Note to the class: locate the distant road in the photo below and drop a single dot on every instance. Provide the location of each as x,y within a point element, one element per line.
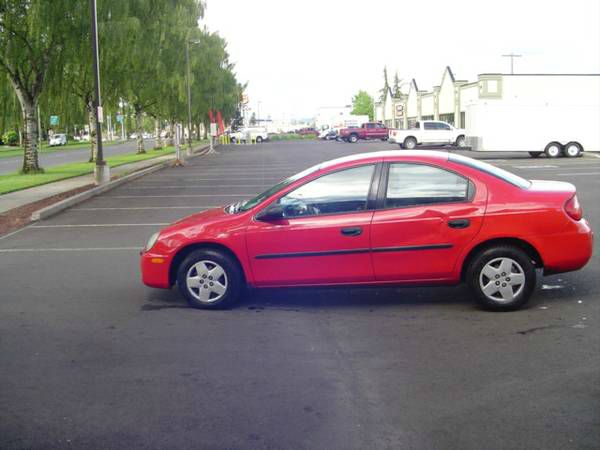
<point>10,165</point>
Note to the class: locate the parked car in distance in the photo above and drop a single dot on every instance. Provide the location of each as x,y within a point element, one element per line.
<point>257,134</point>
<point>428,132</point>
<point>369,130</point>
<point>57,139</point>
<point>381,218</point>
<point>328,134</point>
<point>306,131</point>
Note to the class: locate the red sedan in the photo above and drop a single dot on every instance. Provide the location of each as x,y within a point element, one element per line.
<point>386,218</point>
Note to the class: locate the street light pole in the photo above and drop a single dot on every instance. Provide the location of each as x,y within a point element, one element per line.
<point>189,95</point>
<point>102,171</point>
<point>512,57</point>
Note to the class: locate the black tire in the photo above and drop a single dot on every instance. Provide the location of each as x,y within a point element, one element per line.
<point>553,150</point>
<point>475,278</point>
<point>461,142</point>
<point>233,140</point>
<point>535,154</point>
<point>259,139</point>
<point>410,143</point>
<point>234,279</point>
<point>353,139</point>
<point>573,150</point>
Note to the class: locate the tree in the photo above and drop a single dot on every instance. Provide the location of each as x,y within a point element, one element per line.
<point>362,104</point>
<point>32,41</point>
<point>386,86</point>
<point>396,92</point>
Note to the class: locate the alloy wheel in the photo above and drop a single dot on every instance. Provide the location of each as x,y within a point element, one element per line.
<point>206,281</point>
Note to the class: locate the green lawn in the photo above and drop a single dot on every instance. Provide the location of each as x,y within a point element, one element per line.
<point>15,182</point>
<point>7,152</point>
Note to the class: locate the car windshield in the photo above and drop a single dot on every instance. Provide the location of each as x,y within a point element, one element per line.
<point>492,170</point>
<point>249,204</point>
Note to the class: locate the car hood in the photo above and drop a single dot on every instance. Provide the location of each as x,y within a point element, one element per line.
<point>214,220</point>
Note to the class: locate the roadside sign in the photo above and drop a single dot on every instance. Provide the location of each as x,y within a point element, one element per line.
<point>399,111</point>
<point>53,120</point>
<point>100,114</point>
<point>213,129</point>
<point>120,118</point>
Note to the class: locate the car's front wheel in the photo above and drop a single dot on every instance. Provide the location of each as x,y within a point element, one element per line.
<point>502,278</point>
<point>210,279</point>
<point>259,139</point>
<point>353,139</point>
<point>410,143</point>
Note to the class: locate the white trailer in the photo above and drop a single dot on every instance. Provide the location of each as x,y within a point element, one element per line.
<point>538,121</point>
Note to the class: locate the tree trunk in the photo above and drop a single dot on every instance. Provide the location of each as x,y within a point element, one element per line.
<point>30,141</point>
<point>139,131</point>
<point>92,125</point>
<point>158,142</point>
<point>171,141</point>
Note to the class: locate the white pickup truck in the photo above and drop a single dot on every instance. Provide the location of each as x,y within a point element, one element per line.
<point>428,132</point>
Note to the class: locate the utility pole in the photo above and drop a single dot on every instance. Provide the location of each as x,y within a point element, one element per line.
<point>512,57</point>
<point>101,171</point>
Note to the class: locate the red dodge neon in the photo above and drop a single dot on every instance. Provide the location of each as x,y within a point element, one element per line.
<point>385,218</point>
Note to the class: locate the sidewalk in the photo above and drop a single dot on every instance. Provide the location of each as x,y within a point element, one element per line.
<point>24,197</point>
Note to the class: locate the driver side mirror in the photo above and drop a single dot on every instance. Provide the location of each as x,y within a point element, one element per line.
<point>273,212</point>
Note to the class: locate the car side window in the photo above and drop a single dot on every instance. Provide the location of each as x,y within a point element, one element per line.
<point>420,184</point>
<point>443,126</point>
<point>339,192</point>
<point>429,126</point>
<point>370,125</point>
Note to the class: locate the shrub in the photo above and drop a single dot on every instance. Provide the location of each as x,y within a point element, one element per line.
<point>11,138</point>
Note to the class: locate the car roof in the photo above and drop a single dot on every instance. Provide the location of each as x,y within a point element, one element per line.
<point>424,155</point>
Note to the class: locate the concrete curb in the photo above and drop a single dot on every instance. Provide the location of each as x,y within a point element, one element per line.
<point>51,210</point>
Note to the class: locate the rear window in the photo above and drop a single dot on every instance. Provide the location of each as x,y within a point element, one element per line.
<point>497,172</point>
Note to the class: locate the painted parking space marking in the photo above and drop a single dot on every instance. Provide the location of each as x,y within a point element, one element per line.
<point>140,208</point>
<point>578,173</point>
<point>539,166</point>
<point>177,196</point>
<point>189,186</point>
<point>100,225</point>
<point>80,249</point>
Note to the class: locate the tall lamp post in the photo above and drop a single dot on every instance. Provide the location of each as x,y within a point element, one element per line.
<point>189,92</point>
<point>101,171</point>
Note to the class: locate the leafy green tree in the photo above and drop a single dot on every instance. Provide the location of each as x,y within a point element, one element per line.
<point>33,35</point>
<point>362,104</point>
<point>386,86</point>
<point>396,92</point>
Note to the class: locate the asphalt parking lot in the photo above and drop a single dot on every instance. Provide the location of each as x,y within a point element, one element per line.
<point>90,358</point>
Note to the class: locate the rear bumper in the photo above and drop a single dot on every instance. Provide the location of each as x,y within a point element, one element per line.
<point>568,251</point>
<point>155,270</point>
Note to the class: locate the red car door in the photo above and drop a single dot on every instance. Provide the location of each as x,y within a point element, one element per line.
<point>428,215</point>
<point>323,236</point>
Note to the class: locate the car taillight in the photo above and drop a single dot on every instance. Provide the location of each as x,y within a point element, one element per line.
<point>573,208</point>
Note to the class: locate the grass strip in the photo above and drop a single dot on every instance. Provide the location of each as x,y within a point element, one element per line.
<point>16,181</point>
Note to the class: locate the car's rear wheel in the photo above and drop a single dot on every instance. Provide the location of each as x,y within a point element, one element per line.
<point>353,139</point>
<point>535,154</point>
<point>233,140</point>
<point>573,150</point>
<point>259,139</point>
<point>209,279</point>
<point>410,143</point>
<point>461,142</point>
<point>502,278</point>
<point>553,150</point>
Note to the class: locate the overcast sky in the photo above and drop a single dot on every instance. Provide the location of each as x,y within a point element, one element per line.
<point>300,55</point>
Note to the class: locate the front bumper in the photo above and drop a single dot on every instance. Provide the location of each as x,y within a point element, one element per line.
<point>155,270</point>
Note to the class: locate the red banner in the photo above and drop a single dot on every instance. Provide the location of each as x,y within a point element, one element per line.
<point>220,122</point>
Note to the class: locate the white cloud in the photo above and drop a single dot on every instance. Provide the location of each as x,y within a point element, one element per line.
<point>298,56</point>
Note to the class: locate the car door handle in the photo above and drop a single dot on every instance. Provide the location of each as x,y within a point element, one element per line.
<point>459,223</point>
<point>351,231</point>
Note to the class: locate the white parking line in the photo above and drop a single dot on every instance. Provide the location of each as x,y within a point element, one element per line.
<point>135,208</point>
<point>578,173</point>
<point>101,225</point>
<point>197,186</point>
<point>177,196</point>
<point>84,249</point>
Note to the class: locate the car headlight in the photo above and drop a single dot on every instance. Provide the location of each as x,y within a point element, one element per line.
<point>151,242</point>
